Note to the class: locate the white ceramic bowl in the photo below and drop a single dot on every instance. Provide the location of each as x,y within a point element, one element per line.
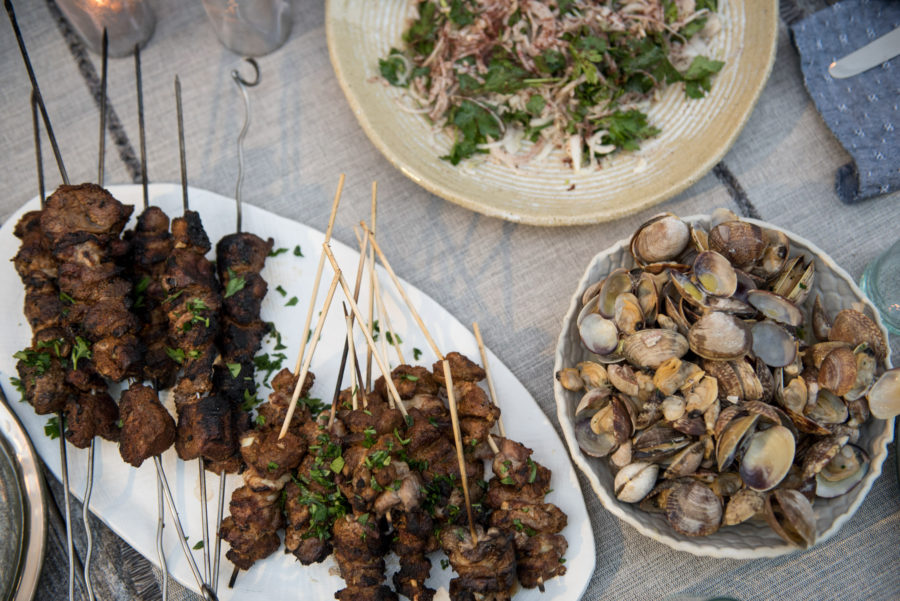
<point>751,539</point>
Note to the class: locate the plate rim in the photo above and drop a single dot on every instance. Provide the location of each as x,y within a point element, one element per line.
<point>34,500</point>
<point>696,547</point>
<point>769,10</point>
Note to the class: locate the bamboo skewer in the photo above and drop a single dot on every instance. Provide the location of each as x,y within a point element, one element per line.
<point>354,384</point>
<point>356,289</point>
<point>378,359</point>
<point>457,438</point>
<point>304,371</point>
<point>318,278</point>
<point>382,311</point>
<point>371,324</point>
<point>402,292</point>
<point>490,380</point>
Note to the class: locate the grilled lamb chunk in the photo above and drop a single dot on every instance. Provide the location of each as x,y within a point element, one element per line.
<point>188,233</point>
<point>240,342</point>
<point>147,428</point>
<point>76,213</point>
<point>90,414</point>
<point>206,428</point>
<point>243,252</point>
<point>409,380</point>
<point>487,570</point>
<point>461,368</point>
<point>252,527</point>
<point>45,390</point>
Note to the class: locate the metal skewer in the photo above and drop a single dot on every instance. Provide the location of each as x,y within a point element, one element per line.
<point>89,482</point>
<point>204,513</point>
<point>36,90</point>
<point>242,85</point>
<point>160,503</point>
<point>63,455</point>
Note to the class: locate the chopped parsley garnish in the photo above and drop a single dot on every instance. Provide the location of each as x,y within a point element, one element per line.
<point>297,251</point>
<point>280,290</point>
<point>268,364</point>
<point>403,441</point>
<point>272,466</point>
<point>17,384</point>
<point>80,350</point>
<point>173,296</point>
<point>198,545</point>
<point>292,301</point>
<point>277,251</point>
<point>337,465</point>
<point>195,306</point>
<point>369,439</point>
<point>409,377</point>
<point>66,298</point>
<point>234,369</point>
<point>391,338</point>
<point>55,344</point>
<point>445,563</point>
<point>176,355</point>
<point>260,420</point>
<point>235,284</point>
<point>416,354</point>
<point>39,361</point>
<point>532,473</point>
<point>250,401</point>
<point>51,428</point>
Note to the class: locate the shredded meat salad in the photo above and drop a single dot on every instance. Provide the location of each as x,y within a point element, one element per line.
<point>569,74</point>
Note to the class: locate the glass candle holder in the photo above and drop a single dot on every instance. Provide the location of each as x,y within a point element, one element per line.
<point>250,27</point>
<point>881,283</point>
<point>127,22</point>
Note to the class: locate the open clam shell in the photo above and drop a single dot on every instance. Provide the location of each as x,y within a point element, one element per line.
<point>719,335</point>
<point>662,238</point>
<point>768,458</point>
<point>791,515</point>
<point>844,471</point>
<point>884,396</point>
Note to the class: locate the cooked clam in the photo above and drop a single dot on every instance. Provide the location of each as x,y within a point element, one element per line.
<point>866,365</point>
<point>730,440</point>
<point>884,396</point>
<point>740,242</point>
<point>651,347</point>
<point>821,324</point>
<point>662,238</point>
<point>648,296</point>
<point>570,379</point>
<point>845,470</point>
<point>768,458</point>
<point>719,335</point>
<point>773,258</point>
<point>672,408</point>
<point>791,515</point>
<point>819,454</point>
<point>828,408</point>
<point>715,273</point>
<point>627,313</point>
<point>745,504</point>
<point>593,375</point>
<point>634,481</point>
<point>686,461</point>
<point>838,371</point>
<point>618,282</point>
<point>773,344</point>
<point>775,307</point>
<point>796,280</point>
<point>855,328</point>
<point>598,334</point>
<point>693,509</point>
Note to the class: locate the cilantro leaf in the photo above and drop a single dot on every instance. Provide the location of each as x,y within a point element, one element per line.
<point>235,284</point>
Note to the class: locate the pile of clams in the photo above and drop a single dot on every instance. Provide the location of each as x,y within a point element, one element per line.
<point>718,391</point>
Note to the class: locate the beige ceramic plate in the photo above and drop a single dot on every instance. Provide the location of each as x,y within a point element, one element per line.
<point>752,539</point>
<point>696,134</point>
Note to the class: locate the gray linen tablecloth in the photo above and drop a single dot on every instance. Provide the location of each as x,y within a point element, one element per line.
<point>514,280</point>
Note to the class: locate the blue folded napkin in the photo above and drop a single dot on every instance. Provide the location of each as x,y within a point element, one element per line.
<point>862,111</point>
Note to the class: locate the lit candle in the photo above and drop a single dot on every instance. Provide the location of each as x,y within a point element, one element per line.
<point>127,22</point>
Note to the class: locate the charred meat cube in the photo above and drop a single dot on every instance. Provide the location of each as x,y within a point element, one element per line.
<point>147,428</point>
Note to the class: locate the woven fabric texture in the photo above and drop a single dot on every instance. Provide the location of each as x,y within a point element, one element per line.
<point>863,110</point>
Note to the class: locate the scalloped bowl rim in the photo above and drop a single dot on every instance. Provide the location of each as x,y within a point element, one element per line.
<point>697,546</point>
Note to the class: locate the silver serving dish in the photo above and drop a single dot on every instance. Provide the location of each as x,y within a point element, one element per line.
<point>23,512</point>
